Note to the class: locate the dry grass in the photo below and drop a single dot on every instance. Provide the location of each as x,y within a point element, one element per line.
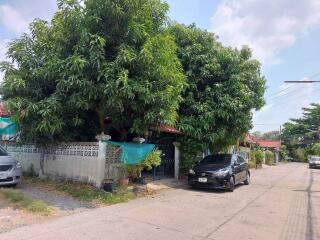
<point>83,192</point>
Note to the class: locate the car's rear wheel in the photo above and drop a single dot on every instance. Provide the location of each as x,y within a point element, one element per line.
<point>247,181</point>
<point>231,184</point>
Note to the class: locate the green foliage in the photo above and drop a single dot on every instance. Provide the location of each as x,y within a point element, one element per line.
<point>252,156</point>
<point>315,149</point>
<point>189,153</point>
<point>300,154</point>
<point>284,153</point>
<point>252,164</point>
<point>259,156</point>
<point>224,86</point>
<point>152,160</point>
<point>302,132</point>
<point>103,58</point>
<point>269,157</point>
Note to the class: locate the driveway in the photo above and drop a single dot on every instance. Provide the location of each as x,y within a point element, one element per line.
<point>282,202</point>
<point>61,205</point>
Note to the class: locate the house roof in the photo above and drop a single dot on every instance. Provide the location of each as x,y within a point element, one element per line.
<point>250,139</point>
<point>262,142</point>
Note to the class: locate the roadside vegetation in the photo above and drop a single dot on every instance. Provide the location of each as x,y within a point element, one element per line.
<point>127,60</point>
<point>85,192</point>
<point>301,136</point>
<point>21,201</point>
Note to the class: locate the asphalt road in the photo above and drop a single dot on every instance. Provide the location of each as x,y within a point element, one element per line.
<point>282,202</point>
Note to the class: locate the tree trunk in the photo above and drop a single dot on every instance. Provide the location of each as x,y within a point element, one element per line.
<point>101,118</point>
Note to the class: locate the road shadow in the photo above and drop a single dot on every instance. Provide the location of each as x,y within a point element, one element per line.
<point>217,191</point>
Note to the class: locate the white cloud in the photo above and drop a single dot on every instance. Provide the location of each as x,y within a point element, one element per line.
<point>266,26</point>
<point>15,16</point>
<point>13,19</point>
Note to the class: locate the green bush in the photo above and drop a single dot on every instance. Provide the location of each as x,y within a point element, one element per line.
<point>253,156</point>
<point>259,155</point>
<point>269,157</point>
<point>152,160</point>
<point>315,149</point>
<point>252,164</point>
<point>300,154</point>
<point>284,153</point>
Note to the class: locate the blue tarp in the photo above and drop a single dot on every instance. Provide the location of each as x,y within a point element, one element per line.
<point>133,153</point>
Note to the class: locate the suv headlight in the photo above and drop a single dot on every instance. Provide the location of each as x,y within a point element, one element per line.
<point>192,172</point>
<point>18,165</point>
<point>220,173</point>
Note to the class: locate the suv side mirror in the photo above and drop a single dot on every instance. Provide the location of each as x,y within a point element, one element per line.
<point>236,164</point>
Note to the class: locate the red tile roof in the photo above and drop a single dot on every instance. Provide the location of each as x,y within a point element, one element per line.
<point>269,144</point>
<point>262,142</point>
<point>165,128</point>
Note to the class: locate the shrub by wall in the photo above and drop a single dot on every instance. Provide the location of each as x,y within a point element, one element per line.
<point>269,157</point>
<point>300,154</point>
<point>259,154</point>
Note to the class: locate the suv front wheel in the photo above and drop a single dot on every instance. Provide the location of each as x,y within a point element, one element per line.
<point>231,184</point>
<point>247,181</point>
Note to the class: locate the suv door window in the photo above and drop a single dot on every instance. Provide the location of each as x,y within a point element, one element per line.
<point>3,152</point>
<point>240,159</point>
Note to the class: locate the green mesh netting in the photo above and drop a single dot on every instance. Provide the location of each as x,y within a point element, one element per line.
<point>133,153</point>
<point>7,127</point>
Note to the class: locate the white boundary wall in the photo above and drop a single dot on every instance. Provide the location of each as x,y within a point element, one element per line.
<point>86,162</point>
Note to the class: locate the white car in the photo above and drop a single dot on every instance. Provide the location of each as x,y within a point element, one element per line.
<point>10,169</point>
<point>314,161</point>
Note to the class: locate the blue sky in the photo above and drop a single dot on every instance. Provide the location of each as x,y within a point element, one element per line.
<point>283,34</point>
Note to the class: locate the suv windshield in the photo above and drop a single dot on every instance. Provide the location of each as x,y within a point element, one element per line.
<point>218,159</point>
<point>3,152</point>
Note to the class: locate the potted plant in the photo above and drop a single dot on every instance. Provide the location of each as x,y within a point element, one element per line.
<point>134,171</point>
<point>123,173</point>
<point>107,185</point>
<point>152,160</point>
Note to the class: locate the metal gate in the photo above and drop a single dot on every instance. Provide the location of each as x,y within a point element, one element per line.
<point>166,169</point>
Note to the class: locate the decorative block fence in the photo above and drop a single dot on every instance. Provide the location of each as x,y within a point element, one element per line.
<point>89,162</point>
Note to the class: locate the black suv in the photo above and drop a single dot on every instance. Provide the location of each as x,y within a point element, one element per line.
<point>219,171</point>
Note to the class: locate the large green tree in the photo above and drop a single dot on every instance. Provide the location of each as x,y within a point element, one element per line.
<point>101,58</point>
<point>224,87</point>
<point>303,132</point>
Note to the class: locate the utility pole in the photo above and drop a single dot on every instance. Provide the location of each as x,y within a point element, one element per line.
<point>280,134</point>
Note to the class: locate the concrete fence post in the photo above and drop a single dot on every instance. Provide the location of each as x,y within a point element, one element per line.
<point>101,163</point>
<point>176,159</point>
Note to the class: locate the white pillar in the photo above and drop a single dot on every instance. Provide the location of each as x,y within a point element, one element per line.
<point>101,163</point>
<point>176,159</point>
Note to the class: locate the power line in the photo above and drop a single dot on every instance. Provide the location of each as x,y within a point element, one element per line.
<point>306,81</point>
<point>294,84</point>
